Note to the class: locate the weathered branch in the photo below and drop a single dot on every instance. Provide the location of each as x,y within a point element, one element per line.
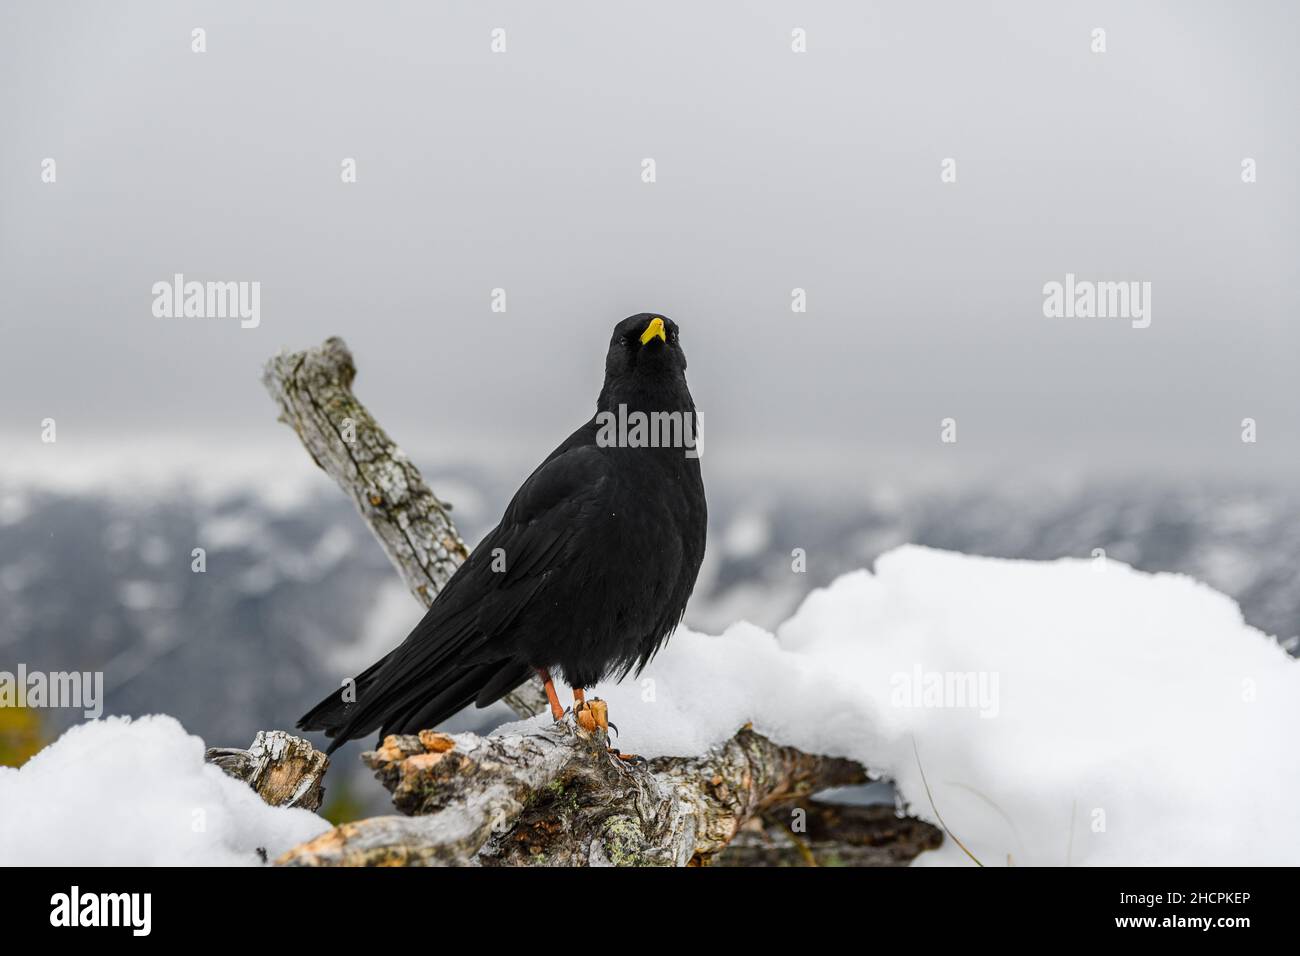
<point>285,771</point>
<point>558,797</point>
<point>314,391</point>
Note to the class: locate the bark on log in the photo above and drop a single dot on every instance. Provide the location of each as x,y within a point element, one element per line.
<point>558,797</point>
<point>286,771</point>
<point>831,835</point>
<point>314,391</point>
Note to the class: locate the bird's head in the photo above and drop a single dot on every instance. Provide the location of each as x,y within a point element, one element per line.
<point>645,345</point>
<point>645,366</point>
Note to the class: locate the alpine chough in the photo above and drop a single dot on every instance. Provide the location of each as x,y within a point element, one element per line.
<point>586,574</point>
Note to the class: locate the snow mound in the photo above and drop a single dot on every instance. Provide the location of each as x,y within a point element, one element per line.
<point>137,793</point>
<point>1069,711</point>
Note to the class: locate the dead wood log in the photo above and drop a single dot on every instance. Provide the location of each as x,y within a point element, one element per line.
<point>314,391</point>
<point>817,833</point>
<point>558,797</point>
<point>286,771</point>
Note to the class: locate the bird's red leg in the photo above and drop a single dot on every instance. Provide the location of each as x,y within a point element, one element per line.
<point>556,710</point>
<point>579,698</point>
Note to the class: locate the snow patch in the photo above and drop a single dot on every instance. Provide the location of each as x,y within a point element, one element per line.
<point>128,792</point>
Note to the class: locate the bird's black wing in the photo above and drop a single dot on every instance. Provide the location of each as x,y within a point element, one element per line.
<point>468,641</point>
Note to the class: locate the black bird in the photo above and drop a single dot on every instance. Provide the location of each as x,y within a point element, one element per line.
<point>587,573</point>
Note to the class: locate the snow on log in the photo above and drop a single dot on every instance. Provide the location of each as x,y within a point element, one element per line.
<point>138,792</point>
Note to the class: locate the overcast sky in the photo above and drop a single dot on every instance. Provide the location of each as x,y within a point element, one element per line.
<point>775,170</point>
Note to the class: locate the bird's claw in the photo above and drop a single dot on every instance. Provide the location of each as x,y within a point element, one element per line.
<point>592,715</point>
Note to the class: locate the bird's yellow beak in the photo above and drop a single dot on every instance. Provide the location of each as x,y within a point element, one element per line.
<point>654,330</point>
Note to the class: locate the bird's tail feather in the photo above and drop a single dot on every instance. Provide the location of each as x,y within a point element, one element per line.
<point>480,684</point>
<point>374,706</point>
<point>334,712</point>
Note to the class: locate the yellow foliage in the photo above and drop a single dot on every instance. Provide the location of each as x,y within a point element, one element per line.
<point>20,735</point>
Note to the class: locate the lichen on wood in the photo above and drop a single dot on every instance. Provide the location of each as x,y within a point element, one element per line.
<point>313,389</point>
<point>559,797</point>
